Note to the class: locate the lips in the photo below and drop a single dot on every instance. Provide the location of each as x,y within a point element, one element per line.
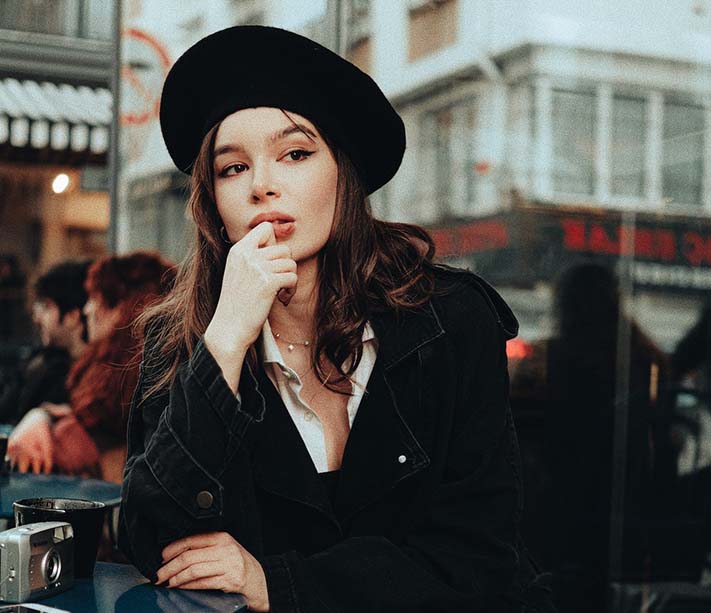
<point>282,223</point>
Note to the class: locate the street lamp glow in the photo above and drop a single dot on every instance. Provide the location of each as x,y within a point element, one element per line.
<point>60,183</point>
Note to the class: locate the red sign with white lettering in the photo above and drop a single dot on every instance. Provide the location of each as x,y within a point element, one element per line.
<point>531,243</point>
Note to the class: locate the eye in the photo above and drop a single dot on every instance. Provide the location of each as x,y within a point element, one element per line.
<point>233,169</point>
<point>299,154</point>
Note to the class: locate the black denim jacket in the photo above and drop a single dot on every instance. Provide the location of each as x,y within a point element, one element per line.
<point>425,518</point>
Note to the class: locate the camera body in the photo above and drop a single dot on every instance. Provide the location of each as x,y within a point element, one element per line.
<point>36,561</point>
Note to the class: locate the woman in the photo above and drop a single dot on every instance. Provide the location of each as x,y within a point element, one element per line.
<point>87,436</point>
<point>322,418</point>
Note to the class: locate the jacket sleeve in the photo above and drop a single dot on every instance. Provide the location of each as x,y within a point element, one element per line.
<point>463,556</point>
<point>178,428</point>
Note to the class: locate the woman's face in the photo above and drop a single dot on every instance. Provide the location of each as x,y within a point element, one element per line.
<point>267,169</point>
<point>100,320</point>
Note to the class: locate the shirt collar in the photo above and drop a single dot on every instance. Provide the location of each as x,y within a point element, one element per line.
<point>271,352</point>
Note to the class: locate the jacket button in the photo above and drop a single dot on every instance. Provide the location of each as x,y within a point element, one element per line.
<point>402,459</point>
<point>204,499</point>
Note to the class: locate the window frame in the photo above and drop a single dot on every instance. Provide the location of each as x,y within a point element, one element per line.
<point>541,182</point>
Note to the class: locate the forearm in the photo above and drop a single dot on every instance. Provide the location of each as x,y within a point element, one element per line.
<point>179,446</point>
<point>372,573</point>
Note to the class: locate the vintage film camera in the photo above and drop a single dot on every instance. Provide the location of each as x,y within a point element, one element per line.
<point>36,561</point>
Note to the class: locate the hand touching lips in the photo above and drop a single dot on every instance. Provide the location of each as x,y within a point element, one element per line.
<point>282,223</point>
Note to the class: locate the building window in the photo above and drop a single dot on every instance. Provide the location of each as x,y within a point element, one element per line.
<point>75,18</point>
<point>447,161</point>
<point>683,146</point>
<point>520,135</point>
<point>98,19</point>
<point>433,26</point>
<point>628,145</point>
<point>573,142</point>
<point>358,46</point>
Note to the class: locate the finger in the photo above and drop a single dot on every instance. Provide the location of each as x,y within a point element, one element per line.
<point>195,572</point>
<point>286,280</point>
<point>186,559</point>
<point>23,463</point>
<point>196,541</point>
<point>259,236</point>
<point>282,265</point>
<point>275,252</point>
<point>47,457</point>
<point>36,463</point>
<point>207,583</point>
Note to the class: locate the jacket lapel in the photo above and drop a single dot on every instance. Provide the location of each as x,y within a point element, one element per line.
<point>382,450</point>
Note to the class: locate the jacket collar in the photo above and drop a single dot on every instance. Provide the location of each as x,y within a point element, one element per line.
<point>401,334</point>
<point>381,448</point>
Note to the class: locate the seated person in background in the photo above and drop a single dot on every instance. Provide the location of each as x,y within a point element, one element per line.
<point>87,436</point>
<point>57,312</point>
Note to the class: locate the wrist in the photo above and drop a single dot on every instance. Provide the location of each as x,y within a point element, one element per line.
<point>220,344</point>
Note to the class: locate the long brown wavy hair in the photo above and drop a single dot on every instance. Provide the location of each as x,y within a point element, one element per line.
<point>102,379</point>
<point>366,266</point>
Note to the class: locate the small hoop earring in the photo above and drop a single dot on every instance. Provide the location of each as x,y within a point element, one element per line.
<point>224,237</point>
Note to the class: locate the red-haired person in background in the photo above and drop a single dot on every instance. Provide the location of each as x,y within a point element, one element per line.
<point>88,435</point>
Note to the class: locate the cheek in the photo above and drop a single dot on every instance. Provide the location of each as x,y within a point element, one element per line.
<point>323,191</point>
<point>52,320</point>
<point>234,217</point>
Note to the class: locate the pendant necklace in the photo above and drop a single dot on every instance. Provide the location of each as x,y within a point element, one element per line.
<point>291,345</point>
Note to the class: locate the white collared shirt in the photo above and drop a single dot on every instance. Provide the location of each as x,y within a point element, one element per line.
<point>289,385</point>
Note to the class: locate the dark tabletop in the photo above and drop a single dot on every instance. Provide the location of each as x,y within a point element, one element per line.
<point>120,588</point>
<point>16,486</point>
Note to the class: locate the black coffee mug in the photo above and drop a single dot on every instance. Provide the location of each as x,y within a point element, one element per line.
<point>85,516</point>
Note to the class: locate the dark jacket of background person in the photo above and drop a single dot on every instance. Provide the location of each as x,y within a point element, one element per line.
<point>694,349</point>
<point>425,518</point>
<point>41,379</point>
<point>583,370</point>
<point>102,381</point>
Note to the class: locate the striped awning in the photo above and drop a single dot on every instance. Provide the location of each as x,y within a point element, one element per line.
<point>54,117</point>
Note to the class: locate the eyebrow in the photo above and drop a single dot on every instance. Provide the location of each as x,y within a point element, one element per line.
<point>276,137</point>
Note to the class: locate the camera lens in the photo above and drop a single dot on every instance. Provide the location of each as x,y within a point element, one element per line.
<point>52,564</point>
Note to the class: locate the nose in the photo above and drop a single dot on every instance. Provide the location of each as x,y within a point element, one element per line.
<point>263,185</point>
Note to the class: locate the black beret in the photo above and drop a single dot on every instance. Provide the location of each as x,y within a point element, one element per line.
<point>250,66</point>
